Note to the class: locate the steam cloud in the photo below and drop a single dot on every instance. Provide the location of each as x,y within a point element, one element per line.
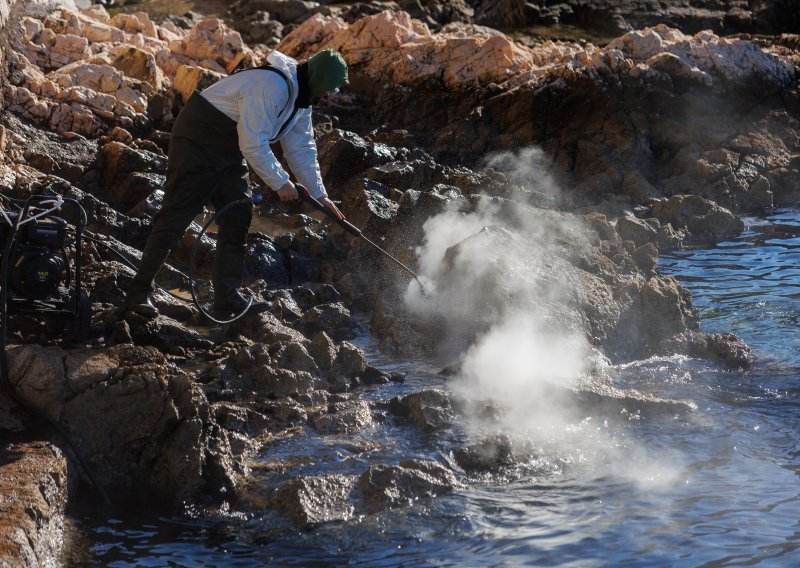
<point>500,286</point>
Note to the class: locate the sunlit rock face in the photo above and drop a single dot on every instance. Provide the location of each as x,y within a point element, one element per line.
<point>83,71</point>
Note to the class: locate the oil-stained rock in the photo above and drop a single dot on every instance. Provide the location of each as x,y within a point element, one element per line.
<point>429,410</point>
<point>343,418</point>
<point>487,455</point>
<point>309,501</point>
<point>383,486</point>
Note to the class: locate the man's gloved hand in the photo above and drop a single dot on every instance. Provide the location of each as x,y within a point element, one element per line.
<point>288,192</point>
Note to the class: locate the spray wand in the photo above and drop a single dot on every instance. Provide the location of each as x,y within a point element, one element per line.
<point>346,225</point>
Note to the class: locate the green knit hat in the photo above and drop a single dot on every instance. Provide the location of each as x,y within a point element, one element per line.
<point>327,71</point>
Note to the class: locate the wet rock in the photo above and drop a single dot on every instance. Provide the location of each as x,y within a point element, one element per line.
<point>706,221</point>
<point>302,267</point>
<point>383,486</point>
<point>295,357</point>
<point>266,261</point>
<point>370,209</point>
<point>489,454</point>
<point>240,419</point>
<point>343,418</point>
<point>652,312</point>
<point>266,328</point>
<point>284,306</point>
<point>611,403</point>
<point>725,348</point>
<point>429,410</point>
<point>333,319</point>
<point>323,350</point>
<point>167,334</point>
<point>344,155</point>
<point>309,501</point>
<point>350,361</point>
<point>278,383</point>
<point>287,412</point>
<point>646,257</point>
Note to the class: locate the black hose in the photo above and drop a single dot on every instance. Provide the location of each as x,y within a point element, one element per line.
<point>10,247</point>
<point>217,215</point>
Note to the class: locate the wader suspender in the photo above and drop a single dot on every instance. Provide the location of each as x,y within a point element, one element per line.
<point>268,67</point>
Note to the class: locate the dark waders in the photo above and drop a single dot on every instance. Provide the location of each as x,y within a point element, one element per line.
<point>205,164</point>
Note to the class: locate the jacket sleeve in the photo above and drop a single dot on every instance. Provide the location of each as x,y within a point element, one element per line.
<point>260,103</point>
<point>300,152</point>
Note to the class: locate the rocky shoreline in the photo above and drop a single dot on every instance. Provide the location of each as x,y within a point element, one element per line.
<point>518,177</point>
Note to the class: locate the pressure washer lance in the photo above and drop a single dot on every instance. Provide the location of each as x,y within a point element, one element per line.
<point>346,225</point>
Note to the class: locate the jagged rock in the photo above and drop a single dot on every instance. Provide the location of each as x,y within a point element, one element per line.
<point>437,13</point>
<point>211,41</point>
<point>240,419</point>
<point>130,175</point>
<point>502,13</point>
<point>403,51</point>
<point>725,348</point>
<point>383,486</point>
<point>487,455</point>
<point>344,155</point>
<point>652,312</point>
<point>278,383</point>
<point>646,257</point>
<point>428,410</point>
<point>295,357</point>
<point>266,328</point>
<point>333,319</point>
<point>264,260</point>
<point>706,221</point>
<point>286,412</point>
<point>189,79</point>
<point>323,350</point>
<point>309,501</point>
<point>343,418</point>
<point>33,482</point>
<point>162,439</point>
<point>639,231</point>
<point>139,64</point>
<point>349,362</point>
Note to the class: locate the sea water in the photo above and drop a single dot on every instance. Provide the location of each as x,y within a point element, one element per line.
<point>714,486</point>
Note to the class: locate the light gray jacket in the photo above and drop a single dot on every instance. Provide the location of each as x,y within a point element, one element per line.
<point>262,103</point>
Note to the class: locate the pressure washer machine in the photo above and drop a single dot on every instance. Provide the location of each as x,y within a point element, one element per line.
<point>38,279</point>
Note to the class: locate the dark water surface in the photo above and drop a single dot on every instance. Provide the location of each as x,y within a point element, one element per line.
<point>717,486</point>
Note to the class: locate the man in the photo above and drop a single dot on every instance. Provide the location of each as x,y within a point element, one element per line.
<point>234,120</point>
